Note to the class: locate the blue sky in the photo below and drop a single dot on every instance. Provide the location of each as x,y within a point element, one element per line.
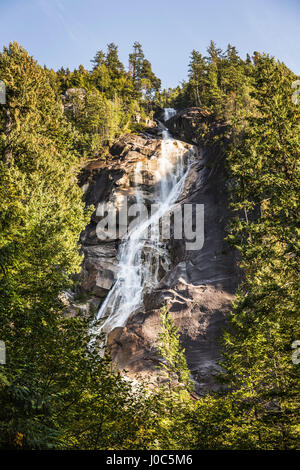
<point>68,32</point>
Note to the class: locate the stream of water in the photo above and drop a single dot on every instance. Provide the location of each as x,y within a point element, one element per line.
<point>140,257</point>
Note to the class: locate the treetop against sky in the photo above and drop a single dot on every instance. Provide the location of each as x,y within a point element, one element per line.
<point>65,32</point>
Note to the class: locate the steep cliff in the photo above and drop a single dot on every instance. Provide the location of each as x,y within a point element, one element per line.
<point>198,285</point>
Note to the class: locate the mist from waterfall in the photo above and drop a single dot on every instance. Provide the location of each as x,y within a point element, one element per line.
<point>140,257</point>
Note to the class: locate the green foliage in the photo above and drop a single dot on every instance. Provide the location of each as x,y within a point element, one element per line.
<point>220,83</point>
<point>56,390</point>
<point>136,60</point>
<point>264,165</point>
<point>98,120</point>
<point>259,409</point>
<point>107,101</point>
<point>145,81</point>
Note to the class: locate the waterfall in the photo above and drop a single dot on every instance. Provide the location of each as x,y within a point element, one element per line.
<point>139,256</point>
<point>168,113</point>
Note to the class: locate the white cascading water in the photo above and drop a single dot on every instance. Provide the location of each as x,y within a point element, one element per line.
<point>139,257</point>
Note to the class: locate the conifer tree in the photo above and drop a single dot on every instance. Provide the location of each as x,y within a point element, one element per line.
<point>265,168</point>
<point>136,60</point>
<point>173,358</point>
<point>198,78</point>
<point>49,365</point>
<point>112,61</point>
<point>98,60</point>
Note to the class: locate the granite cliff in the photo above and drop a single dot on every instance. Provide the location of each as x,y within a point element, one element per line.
<point>197,285</point>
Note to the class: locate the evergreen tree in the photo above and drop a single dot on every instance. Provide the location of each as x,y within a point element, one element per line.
<point>112,61</point>
<point>136,61</point>
<point>173,362</point>
<point>265,169</point>
<point>41,216</point>
<point>198,78</point>
<point>98,60</point>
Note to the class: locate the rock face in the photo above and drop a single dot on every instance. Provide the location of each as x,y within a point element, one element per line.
<point>102,182</point>
<point>200,284</point>
<point>112,184</point>
<point>185,124</point>
<point>72,99</point>
<point>191,124</point>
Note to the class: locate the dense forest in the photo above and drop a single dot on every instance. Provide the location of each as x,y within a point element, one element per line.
<point>56,390</point>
